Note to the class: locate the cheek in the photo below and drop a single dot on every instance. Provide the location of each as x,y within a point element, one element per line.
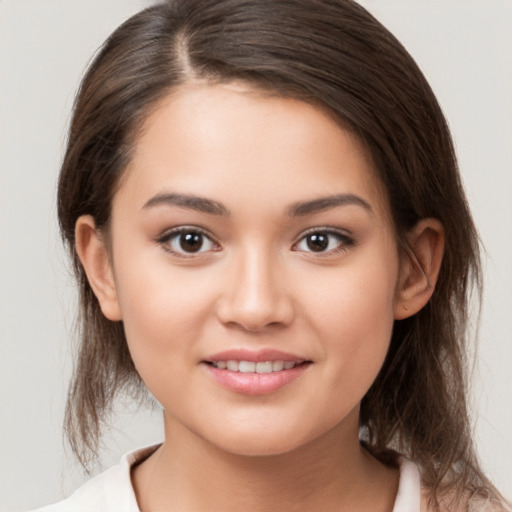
<point>357,298</point>
<point>163,309</point>
<point>352,312</point>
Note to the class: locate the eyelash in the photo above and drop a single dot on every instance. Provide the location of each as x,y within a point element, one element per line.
<point>344,241</point>
<point>175,233</point>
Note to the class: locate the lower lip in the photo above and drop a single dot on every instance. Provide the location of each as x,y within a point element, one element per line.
<point>256,383</point>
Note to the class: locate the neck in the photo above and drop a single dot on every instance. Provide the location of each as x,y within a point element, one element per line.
<point>331,473</point>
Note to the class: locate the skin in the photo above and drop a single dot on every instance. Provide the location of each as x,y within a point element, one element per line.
<point>255,284</point>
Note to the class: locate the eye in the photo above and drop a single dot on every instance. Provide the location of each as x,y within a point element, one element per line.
<point>187,241</point>
<point>323,241</point>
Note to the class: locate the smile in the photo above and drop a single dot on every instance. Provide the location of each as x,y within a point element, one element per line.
<point>255,373</point>
<point>253,367</point>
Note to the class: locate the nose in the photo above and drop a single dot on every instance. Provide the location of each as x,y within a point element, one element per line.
<point>255,295</point>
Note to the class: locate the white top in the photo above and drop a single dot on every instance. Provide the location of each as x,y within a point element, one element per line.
<point>112,491</point>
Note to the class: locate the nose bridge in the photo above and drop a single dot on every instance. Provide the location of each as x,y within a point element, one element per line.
<point>255,295</point>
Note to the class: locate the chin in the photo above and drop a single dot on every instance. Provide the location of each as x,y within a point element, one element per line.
<point>261,443</point>
<point>259,448</point>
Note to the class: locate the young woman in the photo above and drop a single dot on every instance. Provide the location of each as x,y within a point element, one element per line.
<point>269,233</point>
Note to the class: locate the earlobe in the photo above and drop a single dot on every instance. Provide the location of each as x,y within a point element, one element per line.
<point>420,268</point>
<point>94,256</point>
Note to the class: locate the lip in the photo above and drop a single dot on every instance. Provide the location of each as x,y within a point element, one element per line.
<point>255,383</point>
<point>255,356</point>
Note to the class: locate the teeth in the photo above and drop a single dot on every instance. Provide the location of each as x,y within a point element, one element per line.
<point>251,367</point>
<point>246,367</point>
<point>264,367</point>
<point>277,366</point>
<point>232,365</point>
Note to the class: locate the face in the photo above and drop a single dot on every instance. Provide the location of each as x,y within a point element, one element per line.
<point>255,268</point>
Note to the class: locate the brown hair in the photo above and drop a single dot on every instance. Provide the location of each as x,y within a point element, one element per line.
<point>328,52</point>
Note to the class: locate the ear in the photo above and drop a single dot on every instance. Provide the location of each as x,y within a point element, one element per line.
<point>94,256</point>
<point>420,267</point>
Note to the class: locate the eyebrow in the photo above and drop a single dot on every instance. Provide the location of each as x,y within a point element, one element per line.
<point>204,205</point>
<point>200,204</point>
<point>326,203</point>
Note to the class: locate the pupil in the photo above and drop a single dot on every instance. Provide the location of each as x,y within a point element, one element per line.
<point>317,242</point>
<point>191,242</point>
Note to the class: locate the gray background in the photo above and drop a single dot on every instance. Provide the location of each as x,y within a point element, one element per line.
<point>465,49</point>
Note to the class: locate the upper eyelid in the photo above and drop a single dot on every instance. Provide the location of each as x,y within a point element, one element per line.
<point>180,229</point>
<point>324,229</point>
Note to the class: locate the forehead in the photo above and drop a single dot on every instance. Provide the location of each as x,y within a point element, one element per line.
<point>234,141</point>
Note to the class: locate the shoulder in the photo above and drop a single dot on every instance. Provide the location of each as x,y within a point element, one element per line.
<point>409,487</point>
<point>414,496</point>
<point>111,490</point>
<point>475,503</point>
<point>471,505</point>
<point>95,494</point>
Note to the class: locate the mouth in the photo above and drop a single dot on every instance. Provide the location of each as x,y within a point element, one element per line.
<point>255,373</point>
<point>242,366</point>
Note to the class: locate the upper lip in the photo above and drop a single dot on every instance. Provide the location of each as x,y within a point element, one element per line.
<point>255,356</point>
